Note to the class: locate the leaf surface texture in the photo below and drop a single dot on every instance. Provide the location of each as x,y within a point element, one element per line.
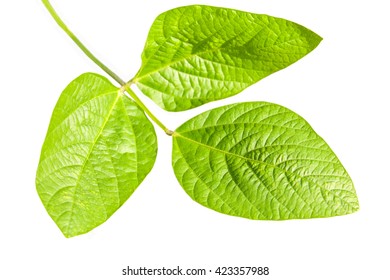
<point>197,54</point>
<point>260,161</point>
<point>98,149</point>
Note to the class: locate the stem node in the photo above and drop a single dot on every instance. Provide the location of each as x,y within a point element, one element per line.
<point>169,132</point>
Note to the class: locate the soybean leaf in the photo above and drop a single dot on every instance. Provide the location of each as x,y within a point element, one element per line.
<point>197,54</point>
<point>98,149</point>
<point>260,161</point>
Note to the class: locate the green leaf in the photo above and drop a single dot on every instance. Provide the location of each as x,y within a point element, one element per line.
<point>98,149</point>
<point>197,54</point>
<point>260,161</point>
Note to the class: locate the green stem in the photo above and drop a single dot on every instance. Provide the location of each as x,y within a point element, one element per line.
<point>59,21</point>
<point>146,110</point>
<point>125,86</point>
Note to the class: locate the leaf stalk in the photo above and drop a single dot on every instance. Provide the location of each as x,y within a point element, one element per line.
<point>127,88</point>
<point>124,86</point>
<point>63,26</point>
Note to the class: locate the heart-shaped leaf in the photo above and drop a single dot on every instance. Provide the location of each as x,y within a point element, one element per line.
<point>98,149</point>
<point>260,161</point>
<point>197,54</point>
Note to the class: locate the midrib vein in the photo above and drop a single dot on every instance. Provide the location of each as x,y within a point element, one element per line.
<point>192,55</point>
<point>176,134</point>
<point>89,155</point>
<point>169,64</point>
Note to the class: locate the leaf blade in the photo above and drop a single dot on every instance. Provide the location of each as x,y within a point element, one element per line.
<point>92,159</point>
<point>260,161</point>
<point>198,54</point>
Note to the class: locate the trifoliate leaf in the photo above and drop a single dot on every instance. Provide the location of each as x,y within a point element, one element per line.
<point>260,161</point>
<point>98,149</point>
<point>197,54</point>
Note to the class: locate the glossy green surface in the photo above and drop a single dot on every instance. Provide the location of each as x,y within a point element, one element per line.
<point>260,161</point>
<point>197,54</point>
<point>98,149</point>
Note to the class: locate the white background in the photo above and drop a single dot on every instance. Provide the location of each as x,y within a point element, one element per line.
<point>341,88</point>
